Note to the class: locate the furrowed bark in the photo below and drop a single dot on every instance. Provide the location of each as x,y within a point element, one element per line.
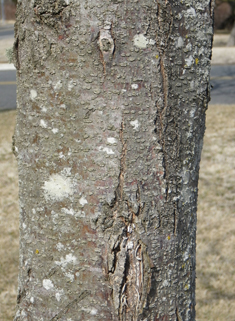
<point>111,116</point>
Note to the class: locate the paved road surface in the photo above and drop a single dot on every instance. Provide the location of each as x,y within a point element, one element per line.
<point>7,89</point>
<point>223,84</point>
<point>222,81</point>
<point>6,32</point>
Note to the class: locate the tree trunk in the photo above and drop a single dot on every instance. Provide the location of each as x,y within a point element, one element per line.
<point>111,115</point>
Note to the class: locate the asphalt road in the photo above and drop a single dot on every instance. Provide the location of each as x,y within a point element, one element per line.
<point>223,85</point>
<point>222,82</point>
<point>7,89</point>
<point>6,32</point>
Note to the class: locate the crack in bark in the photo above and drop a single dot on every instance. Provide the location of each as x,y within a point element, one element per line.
<point>162,116</point>
<point>82,296</point>
<point>16,53</point>
<point>119,190</point>
<point>21,295</point>
<point>126,255</point>
<point>176,218</point>
<point>211,9</point>
<point>162,49</point>
<point>178,316</point>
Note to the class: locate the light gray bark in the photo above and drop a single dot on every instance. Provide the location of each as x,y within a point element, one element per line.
<point>111,115</point>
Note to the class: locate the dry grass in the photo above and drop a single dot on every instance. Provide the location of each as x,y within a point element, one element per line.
<point>9,234</point>
<point>216,219</point>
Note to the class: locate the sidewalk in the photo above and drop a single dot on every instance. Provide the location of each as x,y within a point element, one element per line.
<point>221,55</point>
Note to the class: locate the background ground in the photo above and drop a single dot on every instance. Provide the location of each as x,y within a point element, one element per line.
<point>9,219</point>
<point>216,218</point>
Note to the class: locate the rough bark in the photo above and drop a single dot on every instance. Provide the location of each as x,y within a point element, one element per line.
<point>111,115</point>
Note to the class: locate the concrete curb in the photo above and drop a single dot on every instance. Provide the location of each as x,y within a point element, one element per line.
<point>7,66</point>
<point>223,56</point>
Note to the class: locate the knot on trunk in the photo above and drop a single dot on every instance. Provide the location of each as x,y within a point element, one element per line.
<point>106,43</point>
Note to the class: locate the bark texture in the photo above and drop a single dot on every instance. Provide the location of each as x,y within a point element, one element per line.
<point>112,97</point>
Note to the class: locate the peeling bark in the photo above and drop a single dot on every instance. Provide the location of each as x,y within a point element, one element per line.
<point>112,98</point>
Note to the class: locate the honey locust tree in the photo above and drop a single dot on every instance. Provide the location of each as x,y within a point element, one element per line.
<point>112,97</point>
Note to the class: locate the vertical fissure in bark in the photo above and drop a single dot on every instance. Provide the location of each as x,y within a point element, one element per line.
<point>211,9</point>
<point>127,263</point>
<point>163,43</point>
<point>16,53</point>
<point>176,217</point>
<point>122,163</point>
<point>162,118</point>
<point>178,316</point>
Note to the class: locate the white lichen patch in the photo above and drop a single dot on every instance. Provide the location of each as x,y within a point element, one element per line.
<point>44,109</point>
<point>135,124</point>
<point>68,211</point>
<point>189,61</point>
<point>109,151</point>
<point>66,171</point>
<point>130,245</point>
<point>70,276</point>
<point>152,42</point>
<point>33,94</point>
<point>63,106</point>
<point>135,86</point>
<point>186,255</point>
<point>43,124</point>
<point>111,140</point>
<point>61,155</point>
<point>59,246</point>
<point>70,85</point>
<point>58,296</point>
<point>180,42</point>
<point>83,201</point>
<point>80,214</point>
<point>55,130</point>
<point>140,41</point>
<point>190,12</point>
<point>165,283</point>
<point>58,85</point>
<point>189,46</point>
<point>192,112</point>
<point>69,258</point>
<point>93,311</point>
<point>192,84</point>
<point>32,300</point>
<point>57,187</point>
<point>47,284</point>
